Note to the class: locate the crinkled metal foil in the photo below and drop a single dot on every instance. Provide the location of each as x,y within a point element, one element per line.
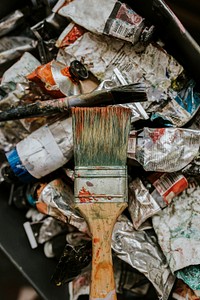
<point>102,54</point>
<point>17,72</point>
<point>143,253</point>
<point>166,149</point>
<point>141,204</point>
<point>10,22</point>
<point>178,229</point>
<point>181,106</point>
<point>12,47</point>
<point>50,227</point>
<point>59,200</point>
<point>112,18</point>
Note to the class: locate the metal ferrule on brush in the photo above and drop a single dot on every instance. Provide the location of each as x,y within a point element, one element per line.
<point>100,184</point>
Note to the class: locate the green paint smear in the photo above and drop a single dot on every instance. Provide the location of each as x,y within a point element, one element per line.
<point>191,276</point>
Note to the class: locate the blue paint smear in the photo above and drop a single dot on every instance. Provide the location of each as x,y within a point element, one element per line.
<point>18,168</point>
<point>188,98</point>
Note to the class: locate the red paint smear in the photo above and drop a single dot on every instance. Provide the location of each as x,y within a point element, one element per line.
<point>96,240</point>
<point>98,251</point>
<point>83,196</point>
<point>76,32</point>
<point>156,134</point>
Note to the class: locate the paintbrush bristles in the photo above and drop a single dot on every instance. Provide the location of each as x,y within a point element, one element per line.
<point>101,135</point>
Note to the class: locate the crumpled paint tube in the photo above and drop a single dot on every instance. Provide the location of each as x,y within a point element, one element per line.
<point>46,32</point>
<point>178,229</point>
<point>43,151</point>
<point>69,35</point>
<point>102,54</point>
<point>152,192</point>
<point>137,111</point>
<point>57,199</point>
<point>181,106</point>
<point>80,285</point>
<point>44,230</point>
<point>10,22</point>
<point>141,203</point>
<point>112,18</point>
<point>17,72</point>
<point>12,47</point>
<point>56,79</point>
<point>164,149</point>
<point>142,252</point>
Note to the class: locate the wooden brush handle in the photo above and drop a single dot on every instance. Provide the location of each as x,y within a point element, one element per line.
<point>101,218</point>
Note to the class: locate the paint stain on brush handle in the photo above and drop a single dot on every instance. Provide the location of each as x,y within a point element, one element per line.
<point>101,218</point>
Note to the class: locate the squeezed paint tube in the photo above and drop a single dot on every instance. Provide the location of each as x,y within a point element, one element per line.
<point>12,47</point>
<point>140,250</point>
<point>10,22</point>
<point>102,54</point>
<point>177,228</point>
<point>17,72</point>
<point>43,151</point>
<point>57,199</point>
<point>44,230</point>
<point>177,39</point>
<point>137,111</point>
<point>181,107</point>
<point>151,193</point>
<point>46,32</point>
<point>56,79</point>
<point>113,18</point>
<point>11,133</point>
<point>69,35</point>
<point>164,149</point>
<point>14,78</point>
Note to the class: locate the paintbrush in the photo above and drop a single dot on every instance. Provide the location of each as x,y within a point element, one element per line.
<point>118,95</point>
<point>100,152</point>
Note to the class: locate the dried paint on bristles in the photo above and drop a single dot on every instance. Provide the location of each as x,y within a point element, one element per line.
<point>101,135</point>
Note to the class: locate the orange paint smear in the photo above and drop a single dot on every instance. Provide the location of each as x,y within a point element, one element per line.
<point>42,207</point>
<point>65,72</point>
<point>42,76</point>
<point>96,240</point>
<point>105,268</point>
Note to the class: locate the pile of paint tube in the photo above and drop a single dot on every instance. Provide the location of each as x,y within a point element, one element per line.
<point>77,47</point>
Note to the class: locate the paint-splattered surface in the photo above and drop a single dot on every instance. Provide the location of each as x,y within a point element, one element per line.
<point>178,229</point>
